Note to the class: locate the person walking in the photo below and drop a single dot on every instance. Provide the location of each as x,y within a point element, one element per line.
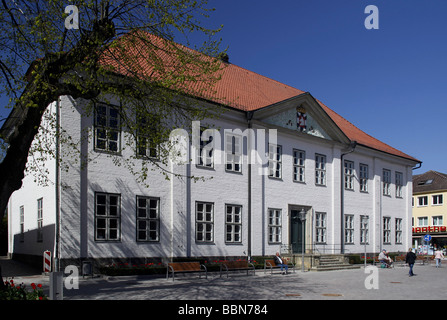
<point>410,258</point>
<point>438,257</point>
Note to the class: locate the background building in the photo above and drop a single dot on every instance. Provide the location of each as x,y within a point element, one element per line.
<point>429,208</point>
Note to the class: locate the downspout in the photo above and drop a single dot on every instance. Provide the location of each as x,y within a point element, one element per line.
<point>352,146</point>
<point>249,116</point>
<point>57,190</point>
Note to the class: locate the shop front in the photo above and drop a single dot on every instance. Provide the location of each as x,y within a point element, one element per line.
<point>427,238</point>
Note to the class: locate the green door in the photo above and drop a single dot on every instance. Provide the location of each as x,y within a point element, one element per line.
<point>296,232</point>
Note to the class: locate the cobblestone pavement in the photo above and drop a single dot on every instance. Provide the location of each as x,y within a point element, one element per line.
<point>429,283</point>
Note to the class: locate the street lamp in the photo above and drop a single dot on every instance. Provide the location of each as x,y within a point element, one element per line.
<point>302,216</point>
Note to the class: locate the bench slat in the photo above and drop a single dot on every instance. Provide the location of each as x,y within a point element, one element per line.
<point>185,267</point>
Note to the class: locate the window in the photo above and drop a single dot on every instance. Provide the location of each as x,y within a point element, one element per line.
<point>386,182</point>
<point>233,224</point>
<point>275,161</point>
<point>40,220</point>
<point>398,231</point>
<point>437,200</point>
<point>274,225</point>
<point>349,229</point>
<point>320,227</point>
<point>107,216</point>
<point>363,177</point>
<point>299,157</point>
<point>423,201</point>
<point>320,169</point>
<point>206,148</point>
<point>387,230</point>
<point>107,129</point>
<point>147,136</point>
<point>349,175</point>
<point>22,223</point>
<point>422,221</point>
<point>438,221</point>
<point>233,153</point>
<point>399,184</point>
<point>364,229</point>
<point>148,219</point>
<point>204,222</point>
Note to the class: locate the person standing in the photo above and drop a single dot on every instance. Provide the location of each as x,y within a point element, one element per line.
<point>438,257</point>
<point>410,258</point>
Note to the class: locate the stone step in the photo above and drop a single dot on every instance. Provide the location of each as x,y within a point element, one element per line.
<point>333,262</point>
<point>334,267</point>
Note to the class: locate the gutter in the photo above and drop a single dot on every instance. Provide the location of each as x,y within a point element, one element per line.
<point>57,190</point>
<point>249,117</point>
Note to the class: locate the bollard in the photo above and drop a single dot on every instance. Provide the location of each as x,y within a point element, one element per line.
<point>56,286</point>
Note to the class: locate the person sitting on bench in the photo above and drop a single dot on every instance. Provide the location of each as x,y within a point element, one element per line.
<point>280,262</point>
<point>385,259</point>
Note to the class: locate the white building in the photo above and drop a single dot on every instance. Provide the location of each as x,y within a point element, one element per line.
<point>355,190</point>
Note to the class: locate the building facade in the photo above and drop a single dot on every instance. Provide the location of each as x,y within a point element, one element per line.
<point>278,152</point>
<point>429,210</point>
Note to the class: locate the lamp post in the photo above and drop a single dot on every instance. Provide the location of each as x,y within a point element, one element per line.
<point>302,216</point>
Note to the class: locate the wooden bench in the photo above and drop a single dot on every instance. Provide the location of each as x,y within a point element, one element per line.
<point>237,265</point>
<point>271,264</point>
<point>420,259</point>
<point>400,261</point>
<point>181,267</point>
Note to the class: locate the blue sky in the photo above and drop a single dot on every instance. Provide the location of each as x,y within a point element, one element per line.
<point>390,82</point>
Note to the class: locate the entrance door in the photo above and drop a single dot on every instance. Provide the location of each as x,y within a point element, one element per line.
<point>296,232</point>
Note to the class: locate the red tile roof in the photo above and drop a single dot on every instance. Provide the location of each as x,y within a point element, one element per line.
<point>249,91</point>
<point>244,90</point>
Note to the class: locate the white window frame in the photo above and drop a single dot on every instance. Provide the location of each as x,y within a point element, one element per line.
<point>349,175</point>
<point>274,225</point>
<point>386,182</point>
<point>204,222</point>
<point>437,200</point>
<point>423,221</point>
<point>299,165</point>
<point>364,229</point>
<point>320,169</point>
<point>108,223</point>
<point>398,230</point>
<point>320,227</point>
<point>349,228</point>
<point>275,161</point>
<point>146,147</point>
<point>386,230</point>
<point>364,176</point>
<point>233,223</point>
<point>399,184</point>
<point>206,148</point>
<point>22,223</point>
<point>40,220</point>
<point>438,221</point>
<point>422,201</point>
<point>107,129</point>
<point>233,153</point>
<point>148,219</point>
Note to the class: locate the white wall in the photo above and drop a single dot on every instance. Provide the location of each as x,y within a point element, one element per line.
<point>178,197</point>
